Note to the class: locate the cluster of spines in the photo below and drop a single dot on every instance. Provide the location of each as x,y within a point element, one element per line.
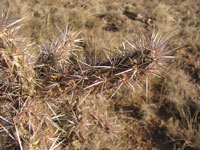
<point>58,68</point>
<point>126,66</point>
<point>15,62</point>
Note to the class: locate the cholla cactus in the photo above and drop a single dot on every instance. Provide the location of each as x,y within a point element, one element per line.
<point>16,73</point>
<point>15,61</point>
<point>53,58</point>
<point>60,71</point>
<point>127,66</point>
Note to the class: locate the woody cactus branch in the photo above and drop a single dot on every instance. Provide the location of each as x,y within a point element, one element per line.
<point>129,65</point>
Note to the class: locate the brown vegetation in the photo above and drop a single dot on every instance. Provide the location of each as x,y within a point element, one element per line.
<point>107,86</point>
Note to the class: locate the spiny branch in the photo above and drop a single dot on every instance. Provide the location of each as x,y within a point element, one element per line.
<point>127,66</point>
